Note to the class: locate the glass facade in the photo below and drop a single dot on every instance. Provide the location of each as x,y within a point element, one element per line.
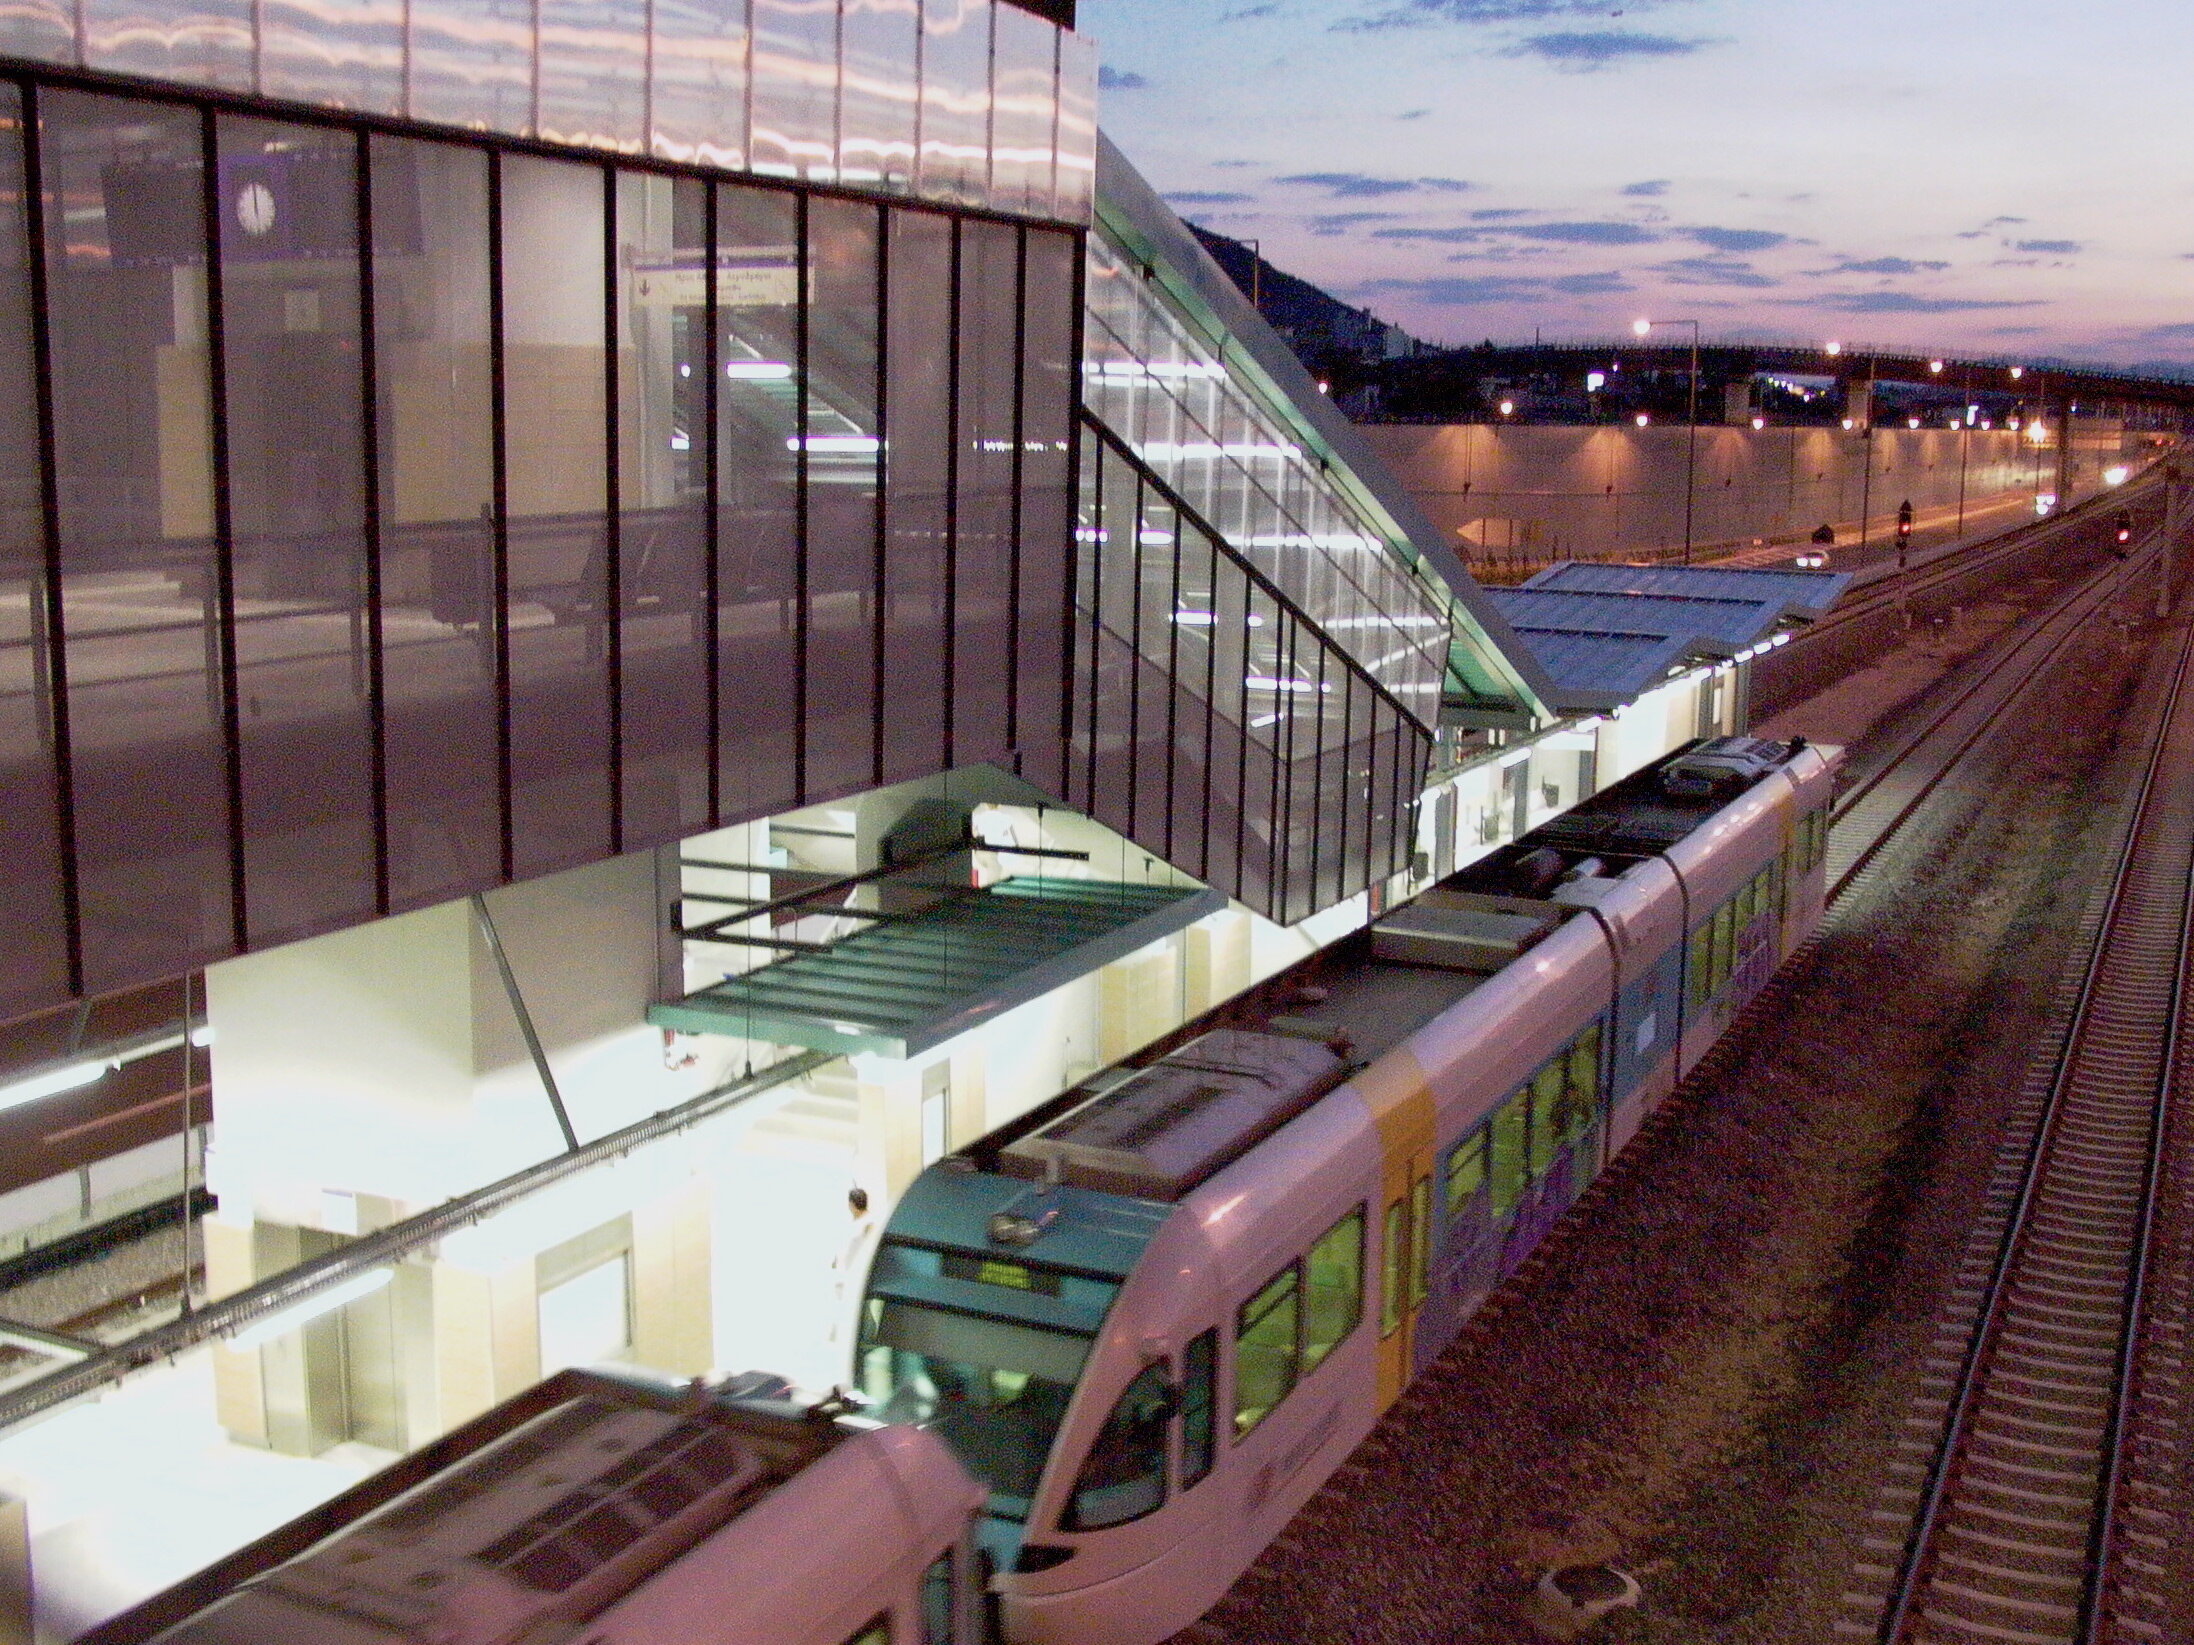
<point>1166,390</point>
<point>1213,723</point>
<point>966,102</point>
<point>388,517</point>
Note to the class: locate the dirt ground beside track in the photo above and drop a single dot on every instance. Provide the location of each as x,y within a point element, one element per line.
<point>1703,1385</point>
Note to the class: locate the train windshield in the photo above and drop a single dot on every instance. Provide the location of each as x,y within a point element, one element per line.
<point>986,1353</point>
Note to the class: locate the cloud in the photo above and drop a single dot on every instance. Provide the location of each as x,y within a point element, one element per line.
<point>1208,197</point>
<point>1438,236</point>
<point>2180,331</point>
<point>1905,302</point>
<point>2051,248</point>
<point>1880,265</point>
<point>1736,239</point>
<point>1652,189</point>
<point>1248,12</point>
<point>1508,214</point>
<point>1464,291</point>
<point>1603,48</point>
<point>1340,222</point>
<point>2002,222</point>
<point>1412,114</point>
<point>1416,14</point>
<point>1112,79</point>
<point>1586,234</point>
<point>1356,185</point>
<point>1714,271</point>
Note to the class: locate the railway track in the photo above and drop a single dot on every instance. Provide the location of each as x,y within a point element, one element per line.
<point>1871,812</point>
<point>2033,1493</point>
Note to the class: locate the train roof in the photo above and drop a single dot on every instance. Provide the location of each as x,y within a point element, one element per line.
<point>1157,1129</point>
<point>561,1503</point>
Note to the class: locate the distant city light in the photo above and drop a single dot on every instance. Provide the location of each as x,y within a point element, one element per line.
<point>1935,366</point>
<point>1835,348</point>
<point>1643,419</point>
<point>1912,422</point>
<point>2116,475</point>
<point>1508,408</point>
<point>2017,372</point>
<point>1595,381</point>
<point>1759,422</point>
<point>1641,327</point>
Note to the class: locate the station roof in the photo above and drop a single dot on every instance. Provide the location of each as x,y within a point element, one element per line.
<point>1607,634</point>
<point>915,979</point>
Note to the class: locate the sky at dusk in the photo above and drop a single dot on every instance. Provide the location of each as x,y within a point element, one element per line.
<point>1997,177</point>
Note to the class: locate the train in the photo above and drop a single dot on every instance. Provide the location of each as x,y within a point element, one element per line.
<point>1153,1317</point>
<point>616,1509</point>
<point>1107,1353</point>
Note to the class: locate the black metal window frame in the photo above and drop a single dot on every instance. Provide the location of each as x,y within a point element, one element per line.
<point>1031,608</point>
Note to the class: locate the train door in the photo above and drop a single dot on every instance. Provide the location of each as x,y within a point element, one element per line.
<point>1400,1099</point>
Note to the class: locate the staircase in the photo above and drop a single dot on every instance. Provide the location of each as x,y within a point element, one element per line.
<point>819,1124</point>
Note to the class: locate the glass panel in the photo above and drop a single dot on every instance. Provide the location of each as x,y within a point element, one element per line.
<point>39,31</point>
<point>295,416</point>
<point>982,615</point>
<point>844,463</point>
<point>1047,428</point>
<point>1466,1173</point>
<point>1420,1241</point>
<point>1547,1087</point>
<point>875,1633</point>
<point>1265,1349</point>
<point>1393,1253</point>
<point>139,590</point>
<point>33,941</point>
<point>877,100</point>
<point>662,499</point>
<point>1584,1071</point>
<point>555,456</point>
<point>700,91</point>
<point>1124,1477</point>
<point>757,433</point>
<point>199,42</point>
<point>344,53</point>
<point>472,63</point>
<point>1026,112</point>
<point>1334,1289</point>
<point>593,72</point>
<point>940,1603</point>
<point>994,1390</point>
<point>437,445</point>
<point>955,164</point>
<point>917,380</point>
<point>796,88</point>
<point>1509,1126</point>
<point>1077,163</point>
<point>1199,1407</point>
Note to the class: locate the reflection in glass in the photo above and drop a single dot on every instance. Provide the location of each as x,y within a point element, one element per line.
<point>431,275</point>
<point>1076,176</point>
<point>662,498</point>
<point>698,59</point>
<point>33,944</point>
<point>555,459</point>
<point>758,546</point>
<point>593,73</point>
<point>39,31</point>
<point>294,413</point>
<point>472,63</point>
<point>983,615</point>
<point>955,161</point>
<point>1025,116</point>
<point>199,42</point>
<point>345,54</point>
<point>878,94</point>
<point>796,88</point>
<point>917,380</point>
<point>844,460</point>
<point>1048,322</point>
<point>140,595</point>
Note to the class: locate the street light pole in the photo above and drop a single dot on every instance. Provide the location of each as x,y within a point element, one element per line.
<point>1691,424</point>
<point>1965,445</point>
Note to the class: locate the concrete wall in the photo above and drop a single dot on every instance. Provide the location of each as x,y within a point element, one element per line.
<point>1554,493</point>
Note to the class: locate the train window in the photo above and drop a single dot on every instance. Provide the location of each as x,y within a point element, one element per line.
<point>1584,1076</point>
<point>1125,1475</point>
<point>1390,1268</point>
<point>1420,1241</point>
<point>1333,1289</point>
<point>1509,1126</point>
<point>1700,962</point>
<point>1199,1407</point>
<point>1466,1173</point>
<point>1549,1089</point>
<point>1265,1348</point>
<point>875,1632</point>
<point>940,1602</point>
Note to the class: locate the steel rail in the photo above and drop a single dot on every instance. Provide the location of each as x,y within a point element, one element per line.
<point>2088,1054</point>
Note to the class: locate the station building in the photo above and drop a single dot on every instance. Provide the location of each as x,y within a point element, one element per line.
<point>619,625</point>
